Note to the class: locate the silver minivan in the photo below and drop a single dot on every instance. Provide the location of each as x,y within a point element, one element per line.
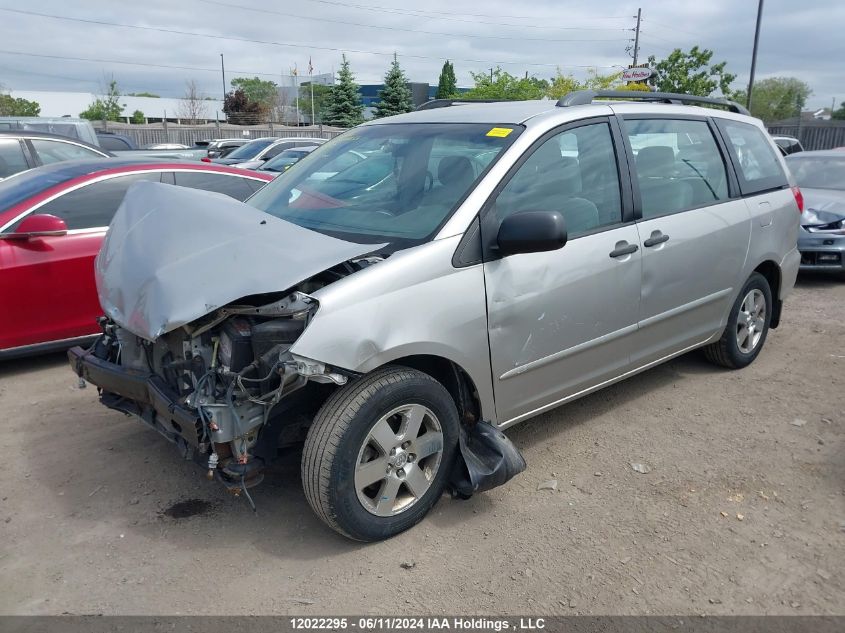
<point>424,281</point>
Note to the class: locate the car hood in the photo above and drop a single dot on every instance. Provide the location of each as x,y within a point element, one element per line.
<point>822,206</point>
<point>173,255</point>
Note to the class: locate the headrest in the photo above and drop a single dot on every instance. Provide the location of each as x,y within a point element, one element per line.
<point>658,160</point>
<point>453,170</point>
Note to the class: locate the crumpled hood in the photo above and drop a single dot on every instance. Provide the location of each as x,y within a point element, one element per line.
<point>174,254</point>
<point>822,206</point>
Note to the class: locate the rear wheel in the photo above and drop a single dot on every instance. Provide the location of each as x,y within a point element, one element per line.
<point>379,453</point>
<point>747,326</point>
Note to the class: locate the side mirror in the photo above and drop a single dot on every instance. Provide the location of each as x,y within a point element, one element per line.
<point>531,232</point>
<point>37,225</point>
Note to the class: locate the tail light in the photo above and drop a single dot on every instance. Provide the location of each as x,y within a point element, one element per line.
<point>206,159</point>
<point>799,199</point>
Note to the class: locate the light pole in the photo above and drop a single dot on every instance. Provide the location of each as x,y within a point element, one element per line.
<point>223,70</point>
<point>754,54</point>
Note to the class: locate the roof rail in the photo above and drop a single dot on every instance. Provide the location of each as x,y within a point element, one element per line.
<point>585,97</point>
<point>445,103</point>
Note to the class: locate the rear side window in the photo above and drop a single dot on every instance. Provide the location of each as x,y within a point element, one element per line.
<point>758,167</point>
<point>94,205</point>
<point>233,186</point>
<point>12,158</point>
<point>678,165</point>
<point>56,151</point>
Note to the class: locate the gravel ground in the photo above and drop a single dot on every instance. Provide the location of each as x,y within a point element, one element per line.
<point>742,512</point>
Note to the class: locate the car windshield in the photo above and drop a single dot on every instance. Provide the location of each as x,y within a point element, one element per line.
<point>818,173</point>
<point>251,149</point>
<point>284,160</point>
<point>395,183</point>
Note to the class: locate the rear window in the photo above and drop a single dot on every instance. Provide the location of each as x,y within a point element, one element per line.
<point>758,167</point>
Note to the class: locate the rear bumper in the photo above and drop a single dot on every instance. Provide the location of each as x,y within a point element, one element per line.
<point>142,394</point>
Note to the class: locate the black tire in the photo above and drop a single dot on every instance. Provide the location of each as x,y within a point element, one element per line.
<point>340,431</point>
<point>726,351</point>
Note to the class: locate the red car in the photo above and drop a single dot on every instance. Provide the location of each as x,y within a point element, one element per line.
<point>52,222</point>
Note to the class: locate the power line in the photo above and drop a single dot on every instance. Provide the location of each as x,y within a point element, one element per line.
<point>273,43</point>
<point>437,15</point>
<point>287,14</point>
<point>450,13</point>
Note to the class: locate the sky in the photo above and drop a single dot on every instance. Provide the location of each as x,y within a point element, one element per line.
<point>165,43</point>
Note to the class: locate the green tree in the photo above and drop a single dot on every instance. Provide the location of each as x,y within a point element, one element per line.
<point>561,84</point>
<point>343,106</point>
<point>447,86</point>
<point>690,73</point>
<point>776,98</point>
<point>839,113</point>
<point>321,96</point>
<point>106,108</point>
<point>10,106</point>
<point>264,93</point>
<point>396,96</point>
<point>502,85</point>
<point>137,118</point>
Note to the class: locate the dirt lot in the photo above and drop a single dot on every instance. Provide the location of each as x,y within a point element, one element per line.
<point>743,511</point>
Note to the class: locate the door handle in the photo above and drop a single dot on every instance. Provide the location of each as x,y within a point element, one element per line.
<point>656,238</point>
<point>623,248</point>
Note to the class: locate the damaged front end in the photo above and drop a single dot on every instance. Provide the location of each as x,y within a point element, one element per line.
<point>212,387</point>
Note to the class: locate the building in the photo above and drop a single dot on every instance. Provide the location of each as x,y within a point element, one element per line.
<point>59,104</point>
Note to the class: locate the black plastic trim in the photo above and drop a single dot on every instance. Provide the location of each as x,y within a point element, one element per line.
<point>469,251</point>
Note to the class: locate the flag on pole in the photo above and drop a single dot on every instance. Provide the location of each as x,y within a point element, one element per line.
<point>310,67</point>
<point>293,71</point>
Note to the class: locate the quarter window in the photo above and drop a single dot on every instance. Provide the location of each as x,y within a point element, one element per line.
<point>678,165</point>
<point>56,151</point>
<point>12,159</point>
<point>233,186</point>
<point>575,173</point>
<point>758,167</point>
<point>94,205</point>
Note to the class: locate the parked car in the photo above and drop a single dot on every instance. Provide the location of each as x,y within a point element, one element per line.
<point>221,147</point>
<point>821,240</point>
<point>286,159</point>
<point>788,144</point>
<point>512,258</point>
<point>252,154</point>
<point>52,222</point>
<point>165,146</point>
<point>77,129</point>
<point>115,142</point>
<point>24,150</point>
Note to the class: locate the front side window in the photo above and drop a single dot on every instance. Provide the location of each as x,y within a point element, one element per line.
<point>395,183</point>
<point>758,167</point>
<point>94,205</point>
<point>56,151</point>
<point>678,165</point>
<point>575,173</point>
<point>12,159</point>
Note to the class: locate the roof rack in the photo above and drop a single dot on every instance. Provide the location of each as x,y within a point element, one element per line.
<point>585,97</point>
<point>445,103</point>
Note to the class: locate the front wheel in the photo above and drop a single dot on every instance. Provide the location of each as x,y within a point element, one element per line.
<point>379,453</point>
<point>747,328</point>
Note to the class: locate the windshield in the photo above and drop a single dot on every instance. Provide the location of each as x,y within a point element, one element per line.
<point>251,149</point>
<point>818,173</point>
<point>283,160</point>
<point>395,183</point>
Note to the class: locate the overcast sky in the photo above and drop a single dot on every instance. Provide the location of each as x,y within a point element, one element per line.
<point>801,39</point>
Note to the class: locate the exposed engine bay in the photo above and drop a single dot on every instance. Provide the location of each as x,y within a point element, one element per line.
<point>223,376</point>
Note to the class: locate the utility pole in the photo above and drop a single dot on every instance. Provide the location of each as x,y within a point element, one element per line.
<point>637,36</point>
<point>223,70</point>
<point>754,54</point>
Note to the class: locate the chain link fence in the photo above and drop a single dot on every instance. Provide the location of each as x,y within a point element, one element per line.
<point>190,134</point>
